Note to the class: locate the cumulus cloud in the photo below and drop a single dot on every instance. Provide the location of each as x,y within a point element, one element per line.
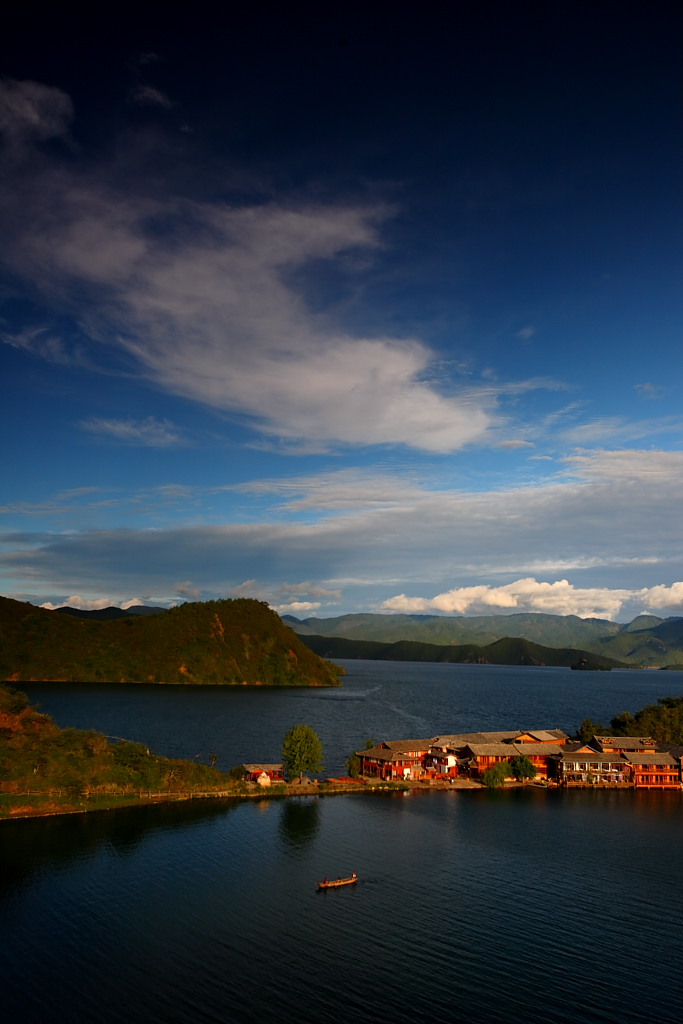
<point>531,595</point>
<point>187,589</point>
<point>659,597</point>
<point>150,432</point>
<point>295,607</point>
<point>525,595</point>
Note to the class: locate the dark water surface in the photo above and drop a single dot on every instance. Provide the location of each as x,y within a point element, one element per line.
<point>472,907</point>
<point>379,700</point>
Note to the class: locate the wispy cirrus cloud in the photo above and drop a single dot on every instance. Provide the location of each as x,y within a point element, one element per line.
<point>148,96</point>
<point>619,430</point>
<point>150,432</point>
<point>204,299</point>
<point>649,390</point>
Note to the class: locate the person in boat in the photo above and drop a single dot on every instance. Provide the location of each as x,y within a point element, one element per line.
<point>325,880</point>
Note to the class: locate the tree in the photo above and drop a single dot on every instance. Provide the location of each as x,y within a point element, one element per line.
<point>302,751</point>
<point>353,761</point>
<point>588,729</point>
<point>495,776</point>
<point>522,768</point>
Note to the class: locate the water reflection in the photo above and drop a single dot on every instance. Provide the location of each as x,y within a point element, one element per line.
<point>299,820</point>
<point>29,846</point>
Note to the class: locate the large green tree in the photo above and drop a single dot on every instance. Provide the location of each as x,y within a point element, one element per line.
<point>302,751</point>
<point>522,768</point>
<point>496,775</point>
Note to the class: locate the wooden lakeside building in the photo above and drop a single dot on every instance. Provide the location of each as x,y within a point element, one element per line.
<point>614,761</point>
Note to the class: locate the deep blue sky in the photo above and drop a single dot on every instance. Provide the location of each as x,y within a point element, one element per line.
<point>371,308</point>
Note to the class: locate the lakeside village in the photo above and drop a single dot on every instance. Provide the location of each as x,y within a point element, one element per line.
<point>616,762</point>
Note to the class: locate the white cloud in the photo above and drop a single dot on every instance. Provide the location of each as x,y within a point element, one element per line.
<point>525,595</point>
<point>663,597</point>
<point>344,489</point>
<point>649,390</point>
<point>150,432</point>
<point>616,430</point>
<point>530,595</point>
<point>296,606</point>
<point>32,112</point>
<point>203,299</point>
<point>187,589</point>
<point>91,604</point>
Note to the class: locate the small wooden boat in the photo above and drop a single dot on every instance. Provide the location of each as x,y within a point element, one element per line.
<point>334,883</point>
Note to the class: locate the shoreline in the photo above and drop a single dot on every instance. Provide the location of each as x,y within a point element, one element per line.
<point>294,789</point>
<point>285,792</point>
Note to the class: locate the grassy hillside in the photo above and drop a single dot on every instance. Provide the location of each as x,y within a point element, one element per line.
<point>647,641</point>
<point>659,642</point>
<point>46,769</point>
<point>507,651</point>
<point>232,642</point>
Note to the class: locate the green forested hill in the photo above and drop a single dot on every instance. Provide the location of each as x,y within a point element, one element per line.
<point>232,641</point>
<point>647,641</point>
<point>507,651</point>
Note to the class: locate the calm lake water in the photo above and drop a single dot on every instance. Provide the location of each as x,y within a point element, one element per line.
<point>477,907</point>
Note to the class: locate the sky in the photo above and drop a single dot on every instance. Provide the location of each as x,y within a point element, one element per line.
<point>347,308</point>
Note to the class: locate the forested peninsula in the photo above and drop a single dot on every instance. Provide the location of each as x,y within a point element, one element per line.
<point>231,642</point>
<point>507,651</point>
<point>48,770</point>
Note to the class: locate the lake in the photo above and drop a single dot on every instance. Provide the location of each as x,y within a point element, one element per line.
<point>471,906</point>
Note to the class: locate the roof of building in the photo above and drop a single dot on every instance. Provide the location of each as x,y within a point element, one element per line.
<point>650,758</point>
<point>461,739</point>
<point>264,767</point>
<point>595,756</point>
<point>389,753</point>
<point>625,742</point>
<point>407,745</point>
<point>545,735</point>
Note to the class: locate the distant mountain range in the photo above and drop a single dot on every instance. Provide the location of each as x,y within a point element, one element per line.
<point>228,642</point>
<point>107,614</point>
<point>647,641</point>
